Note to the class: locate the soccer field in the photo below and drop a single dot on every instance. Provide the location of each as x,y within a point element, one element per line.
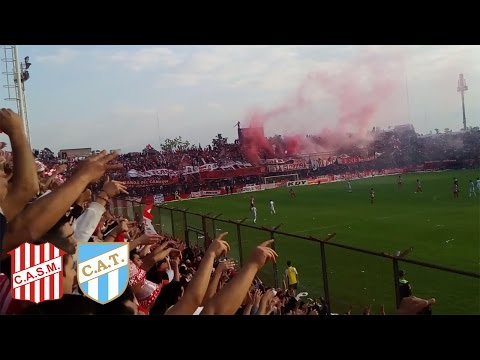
<point>442,230</point>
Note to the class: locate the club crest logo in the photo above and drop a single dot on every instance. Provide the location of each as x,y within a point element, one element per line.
<point>37,272</point>
<point>103,270</point>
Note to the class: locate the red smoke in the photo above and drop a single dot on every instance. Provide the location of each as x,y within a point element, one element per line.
<point>356,90</point>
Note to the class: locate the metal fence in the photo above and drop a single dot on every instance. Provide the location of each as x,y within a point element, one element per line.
<point>345,275</point>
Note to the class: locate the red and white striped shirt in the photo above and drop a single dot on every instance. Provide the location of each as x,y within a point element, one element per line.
<point>8,306</point>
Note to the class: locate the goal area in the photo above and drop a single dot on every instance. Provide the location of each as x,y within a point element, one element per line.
<point>280,178</point>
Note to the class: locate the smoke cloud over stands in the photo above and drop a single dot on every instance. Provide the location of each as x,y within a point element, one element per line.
<point>336,109</point>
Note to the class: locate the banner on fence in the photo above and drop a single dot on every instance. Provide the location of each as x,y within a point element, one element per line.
<point>195,194</point>
<point>250,188</point>
<point>297,183</point>
<point>211,192</point>
<point>300,165</point>
<point>158,199</point>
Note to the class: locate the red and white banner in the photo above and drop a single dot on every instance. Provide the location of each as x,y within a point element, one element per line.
<point>143,182</point>
<point>274,161</point>
<point>211,192</point>
<point>301,165</point>
<point>208,167</point>
<point>354,159</point>
<point>158,199</point>
<point>205,193</point>
<point>190,170</point>
<point>37,272</point>
<point>154,172</point>
<point>297,183</point>
<point>250,188</point>
<point>195,194</point>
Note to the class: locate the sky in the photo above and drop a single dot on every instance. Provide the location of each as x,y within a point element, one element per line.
<point>124,97</point>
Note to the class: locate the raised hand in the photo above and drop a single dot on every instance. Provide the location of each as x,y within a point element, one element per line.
<point>263,253</point>
<point>160,254</point>
<point>150,240</point>
<point>257,296</point>
<point>134,231</point>
<point>175,254</point>
<point>10,122</point>
<point>85,197</point>
<point>225,266</point>
<point>94,167</point>
<point>219,247</point>
<point>266,301</point>
<point>174,262</point>
<point>112,188</point>
<point>270,307</point>
<point>125,225</point>
<point>250,299</point>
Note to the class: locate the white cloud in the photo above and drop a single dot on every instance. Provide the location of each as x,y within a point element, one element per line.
<point>146,58</point>
<point>62,56</point>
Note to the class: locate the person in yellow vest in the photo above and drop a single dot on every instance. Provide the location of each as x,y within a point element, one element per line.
<point>291,278</point>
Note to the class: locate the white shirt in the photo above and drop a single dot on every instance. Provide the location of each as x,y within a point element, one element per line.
<point>271,203</point>
<point>86,223</point>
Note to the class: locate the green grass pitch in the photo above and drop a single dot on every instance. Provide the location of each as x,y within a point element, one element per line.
<point>441,230</point>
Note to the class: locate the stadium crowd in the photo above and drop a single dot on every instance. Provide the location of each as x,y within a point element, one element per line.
<point>64,203</point>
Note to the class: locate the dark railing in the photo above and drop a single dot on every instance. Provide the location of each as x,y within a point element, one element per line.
<point>429,280</point>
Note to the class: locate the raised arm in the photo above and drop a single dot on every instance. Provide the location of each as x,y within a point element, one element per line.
<point>228,300</point>
<point>142,240</point>
<point>88,221</point>
<point>195,292</point>
<point>174,266</point>
<point>213,285</point>
<point>24,181</point>
<point>265,302</point>
<point>157,255</point>
<point>39,217</point>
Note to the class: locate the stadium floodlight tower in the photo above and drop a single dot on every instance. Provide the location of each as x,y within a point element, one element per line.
<point>13,70</point>
<point>461,88</point>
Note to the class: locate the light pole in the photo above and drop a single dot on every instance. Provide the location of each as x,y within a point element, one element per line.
<point>21,72</point>
<point>461,88</point>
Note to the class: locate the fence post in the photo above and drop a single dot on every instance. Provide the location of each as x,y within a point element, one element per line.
<point>396,276</point>
<point>187,240</point>
<point>275,269</point>
<point>240,250</point>
<point>214,229</point>
<point>173,223</point>
<point>325,276</point>
<point>205,232</point>
<point>395,282</point>
<point>159,208</point>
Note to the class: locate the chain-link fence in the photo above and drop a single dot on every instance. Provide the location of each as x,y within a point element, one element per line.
<point>341,274</point>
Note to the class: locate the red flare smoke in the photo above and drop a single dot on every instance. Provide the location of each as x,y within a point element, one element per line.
<point>357,91</point>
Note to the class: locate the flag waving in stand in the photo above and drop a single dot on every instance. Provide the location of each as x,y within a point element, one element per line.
<point>147,220</point>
